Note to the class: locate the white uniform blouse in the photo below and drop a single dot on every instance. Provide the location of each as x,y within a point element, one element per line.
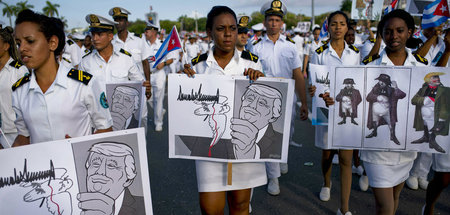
<point>385,157</point>
<point>137,46</point>
<point>9,74</point>
<point>67,107</point>
<point>329,57</point>
<point>212,176</point>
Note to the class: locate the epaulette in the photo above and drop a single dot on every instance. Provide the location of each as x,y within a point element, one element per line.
<point>352,47</point>
<point>321,49</point>
<point>80,76</point>
<point>199,59</point>
<point>249,56</point>
<point>21,81</point>
<point>308,42</point>
<point>373,40</point>
<point>70,42</point>
<point>138,35</point>
<point>125,52</point>
<point>421,59</point>
<point>290,40</point>
<point>257,41</point>
<point>369,59</point>
<point>324,42</point>
<point>68,61</point>
<point>87,53</point>
<point>16,64</point>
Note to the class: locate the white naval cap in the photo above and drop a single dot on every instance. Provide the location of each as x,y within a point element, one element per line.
<point>258,27</point>
<point>119,12</point>
<point>296,30</point>
<point>373,29</point>
<point>151,26</point>
<point>78,36</point>
<point>275,7</point>
<point>99,23</point>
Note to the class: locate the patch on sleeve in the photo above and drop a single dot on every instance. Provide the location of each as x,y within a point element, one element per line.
<point>21,81</point>
<point>369,59</point>
<point>321,49</point>
<point>70,42</point>
<point>421,59</point>
<point>16,64</point>
<point>199,59</point>
<point>80,76</point>
<point>352,47</point>
<point>103,101</point>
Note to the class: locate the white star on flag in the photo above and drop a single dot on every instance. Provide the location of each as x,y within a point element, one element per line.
<point>173,42</point>
<point>443,9</point>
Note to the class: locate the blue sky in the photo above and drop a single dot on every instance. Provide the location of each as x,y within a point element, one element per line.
<point>76,10</point>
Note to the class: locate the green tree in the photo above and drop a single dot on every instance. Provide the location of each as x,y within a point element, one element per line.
<point>64,21</point>
<point>137,26</point>
<point>257,17</point>
<point>346,6</point>
<point>168,24</point>
<point>50,9</point>
<point>9,11</point>
<point>22,5</point>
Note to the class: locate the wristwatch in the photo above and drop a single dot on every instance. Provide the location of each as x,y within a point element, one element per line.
<point>165,64</point>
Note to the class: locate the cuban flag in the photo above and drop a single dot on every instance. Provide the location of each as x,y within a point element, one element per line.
<point>434,14</point>
<point>324,30</point>
<point>171,43</point>
<point>390,7</point>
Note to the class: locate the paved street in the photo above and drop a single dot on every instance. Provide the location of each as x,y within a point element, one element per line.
<point>174,186</point>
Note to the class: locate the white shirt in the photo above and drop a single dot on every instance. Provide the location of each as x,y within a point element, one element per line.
<point>279,59</point>
<point>119,68</point>
<point>386,157</point>
<point>204,47</point>
<point>151,60</point>
<point>435,52</point>
<point>192,50</point>
<point>367,47</point>
<point>299,41</point>
<point>72,53</point>
<point>236,66</point>
<point>311,47</point>
<point>9,74</point>
<point>67,107</point>
<point>329,57</point>
<point>137,46</point>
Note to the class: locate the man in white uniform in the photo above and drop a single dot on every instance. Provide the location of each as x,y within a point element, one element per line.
<point>279,58</point>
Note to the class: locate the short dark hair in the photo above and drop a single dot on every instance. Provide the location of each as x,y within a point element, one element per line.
<point>397,13</point>
<point>315,29</point>
<point>216,11</point>
<point>337,13</point>
<point>49,26</point>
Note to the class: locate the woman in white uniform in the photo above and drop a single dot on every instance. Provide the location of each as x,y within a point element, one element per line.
<point>11,70</point>
<point>336,53</point>
<point>388,171</point>
<point>53,102</point>
<point>441,162</point>
<point>224,59</point>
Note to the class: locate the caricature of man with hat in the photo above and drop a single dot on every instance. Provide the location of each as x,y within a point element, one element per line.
<point>349,98</point>
<point>383,99</point>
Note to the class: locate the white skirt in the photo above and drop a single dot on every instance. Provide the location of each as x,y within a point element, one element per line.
<point>441,162</point>
<point>385,176</point>
<point>212,176</point>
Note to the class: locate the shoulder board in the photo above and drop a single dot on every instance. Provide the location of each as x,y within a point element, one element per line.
<point>88,53</point>
<point>421,59</point>
<point>373,40</point>
<point>352,47</point>
<point>21,81</point>
<point>70,42</point>
<point>259,40</point>
<point>249,56</point>
<point>324,41</point>
<point>321,49</point>
<point>369,59</point>
<point>290,40</point>
<point>16,64</point>
<point>138,35</point>
<point>80,76</point>
<point>68,61</point>
<point>125,52</point>
<point>199,59</point>
<point>309,42</point>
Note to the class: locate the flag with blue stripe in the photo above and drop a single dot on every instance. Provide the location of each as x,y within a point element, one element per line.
<point>171,43</point>
<point>324,30</point>
<point>435,13</point>
<point>390,7</point>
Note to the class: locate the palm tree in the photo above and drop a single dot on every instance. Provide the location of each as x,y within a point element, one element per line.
<point>64,21</point>
<point>50,9</point>
<point>22,5</point>
<point>9,11</point>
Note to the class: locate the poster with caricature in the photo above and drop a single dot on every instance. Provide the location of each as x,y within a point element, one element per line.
<point>320,78</point>
<point>367,9</point>
<point>230,119</point>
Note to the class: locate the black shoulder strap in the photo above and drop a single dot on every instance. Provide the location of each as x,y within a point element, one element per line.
<point>290,40</point>
<point>352,47</point>
<point>199,59</point>
<point>21,81</point>
<point>138,35</point>
<point>369,59</point>
<point>249,56</point>
<point>125,52</point>
<point>70,42</point>
<point>259,40</point>
<point>80,76</point>
<point>421,59</point>
<point>16,64</point>
<point>321,49</point>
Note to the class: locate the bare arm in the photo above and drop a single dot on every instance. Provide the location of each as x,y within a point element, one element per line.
<point>146,67</point>
<point>376,47</point>
<point>444,59</point>
<point>301,92</point>
<point>21,141</point>
<point>305,65</point>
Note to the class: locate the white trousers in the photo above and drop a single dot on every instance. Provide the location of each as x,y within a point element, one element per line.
<point>422,165</point>
<point>158,81</point>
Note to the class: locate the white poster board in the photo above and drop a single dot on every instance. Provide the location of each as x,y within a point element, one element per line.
<point>126,103</point>
<point>382,108</point>
<point>367,9</point>
<point>320,78</point>
<point>304,26</point>
<point>68,176</point>
<point>229,119</point>
<point>415,7</point>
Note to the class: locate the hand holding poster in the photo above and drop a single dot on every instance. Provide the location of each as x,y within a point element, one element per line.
<point>104,173</point>
<point>230,119</point>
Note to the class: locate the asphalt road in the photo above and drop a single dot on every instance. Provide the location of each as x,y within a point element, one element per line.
<point>174,187</point>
